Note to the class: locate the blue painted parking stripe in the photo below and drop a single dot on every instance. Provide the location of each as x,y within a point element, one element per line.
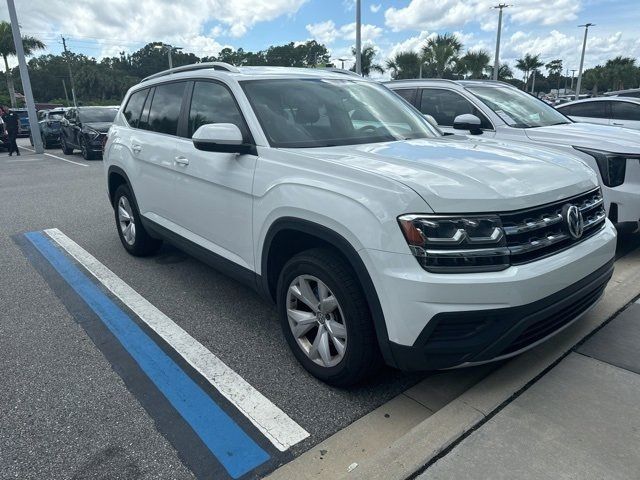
<point>234,449</point>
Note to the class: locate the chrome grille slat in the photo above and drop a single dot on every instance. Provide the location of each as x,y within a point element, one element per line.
<point>534,233</point>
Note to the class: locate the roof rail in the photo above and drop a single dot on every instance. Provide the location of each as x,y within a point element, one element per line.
<point>194,66</point>
<point>341,70</point>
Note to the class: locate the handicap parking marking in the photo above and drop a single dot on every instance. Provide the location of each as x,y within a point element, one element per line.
<point>241,447</point>
<point>282,431</point>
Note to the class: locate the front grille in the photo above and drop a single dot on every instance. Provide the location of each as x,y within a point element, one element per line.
<point>535,233</point>
<point>546,326</point>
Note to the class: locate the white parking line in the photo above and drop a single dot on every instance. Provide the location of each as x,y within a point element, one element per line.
<point>57,157</point>
<point>276,425</point>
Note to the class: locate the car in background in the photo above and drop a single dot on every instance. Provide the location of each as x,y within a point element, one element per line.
<point>616,111</point>
<point>24,128</point>
<point>49,122</point>
<point>630,92</point>
<point>84,128</point>
<point>492,109</point>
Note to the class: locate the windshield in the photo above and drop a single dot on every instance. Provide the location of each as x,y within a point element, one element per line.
<point>89,115</point>
<point>55,116</point>
<point>518,109</point>
<point>298,113</point>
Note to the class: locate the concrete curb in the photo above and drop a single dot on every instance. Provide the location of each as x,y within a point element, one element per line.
<point>429,439</point>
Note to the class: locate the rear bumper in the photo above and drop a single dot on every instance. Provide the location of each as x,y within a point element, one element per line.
<point>453,339</point>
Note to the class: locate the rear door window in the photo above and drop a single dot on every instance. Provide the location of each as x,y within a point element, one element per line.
<point>586,109</point>
<point>165,108</point>
<point>409,94</point>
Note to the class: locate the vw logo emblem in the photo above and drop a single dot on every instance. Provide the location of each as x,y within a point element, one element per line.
<point>573,221</point>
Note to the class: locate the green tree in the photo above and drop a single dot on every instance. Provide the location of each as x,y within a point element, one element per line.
<point>8,49</point>
<point>622,72</point>
<point>367,64</point>
<point>404,65</point>
<point>441,53</point>
<point>476,63</point>
<point>529,64</point>
<point>554,68</point>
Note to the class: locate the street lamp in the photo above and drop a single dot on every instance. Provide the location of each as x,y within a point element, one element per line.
<point>358,39</point>
<point>584,46</point>
<point>496,62</point>
<point>169,49</point>
<point>342,60</point>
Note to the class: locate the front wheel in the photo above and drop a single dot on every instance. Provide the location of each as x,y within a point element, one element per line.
<point>66,149</point>
<point>326,319</point>
<point>132,233</point>
<point>86,153</point>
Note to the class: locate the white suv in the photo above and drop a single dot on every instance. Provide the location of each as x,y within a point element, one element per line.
<point>501,111</point>
<point>378,238</point>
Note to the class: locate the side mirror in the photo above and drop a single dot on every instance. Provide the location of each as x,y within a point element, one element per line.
<point>431,120</point>
<point>468,122</point>
<point>220,137</point>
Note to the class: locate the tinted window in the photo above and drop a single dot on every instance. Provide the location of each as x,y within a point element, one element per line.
<point>445,106</point>
<point>586,109</point>
<point>98,114</point>
<point>213,103</point>
<point>165,108</point>
<point>134,107</point>
<point>409,94</point>
<point>625,111</point>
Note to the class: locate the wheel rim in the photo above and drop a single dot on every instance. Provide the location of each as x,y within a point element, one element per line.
<point>126,221</point>
<point>316,320</point>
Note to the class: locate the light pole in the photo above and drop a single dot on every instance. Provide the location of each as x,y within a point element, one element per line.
<point>358,39</point>
<point>24,76</point>
<point>169,49</point>
<point>342,60</point>
<point>496,62</point>
<point>573,73</point>
<point>584,46</point>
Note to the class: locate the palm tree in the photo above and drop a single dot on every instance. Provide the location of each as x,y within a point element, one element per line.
<point>554,67</point>
<point>504,71</point>
<point>621,71</point>
<point>366,61</point>
<point>441,53</point>
<point>476,63</point>
<point>404,65</point>
<point>529,64</point>
<point>8,48</point>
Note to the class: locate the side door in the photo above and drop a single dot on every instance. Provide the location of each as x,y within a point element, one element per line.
<point>625,114</point>
<point>68,125</point>
<point>445,105</point>
<point>214,189</point>
<point>152,144</point>
<point>589,112</point>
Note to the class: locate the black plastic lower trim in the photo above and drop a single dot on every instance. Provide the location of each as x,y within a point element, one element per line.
<point>454,338</point>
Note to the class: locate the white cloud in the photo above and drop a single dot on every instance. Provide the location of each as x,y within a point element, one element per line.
<point>427,14</point>
<point>327,32</point>
<point>375,8</point>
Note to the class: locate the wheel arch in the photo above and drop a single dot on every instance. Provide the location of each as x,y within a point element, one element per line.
<point>289,235</point>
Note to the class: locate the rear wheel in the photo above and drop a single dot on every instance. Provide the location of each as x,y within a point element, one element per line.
<point>132,233</point>
<point>325,318</point>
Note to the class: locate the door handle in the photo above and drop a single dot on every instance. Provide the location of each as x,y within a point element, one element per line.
<point>136,148</point>
<point>182,160</point>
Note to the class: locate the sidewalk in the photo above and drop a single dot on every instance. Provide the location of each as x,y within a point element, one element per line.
<point>580,421</point>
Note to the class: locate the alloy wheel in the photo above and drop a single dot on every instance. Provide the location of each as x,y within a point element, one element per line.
<point>126,220</point>
<point>316,320</point>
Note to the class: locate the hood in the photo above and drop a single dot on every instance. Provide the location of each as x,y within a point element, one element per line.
<point>102,127</point>
<point>589,135</point>
<point>462,176</point>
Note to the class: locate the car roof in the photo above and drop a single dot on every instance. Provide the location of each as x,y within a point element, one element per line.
<point>415,82</point>
<point>603,99</point>
<point>221,69</point>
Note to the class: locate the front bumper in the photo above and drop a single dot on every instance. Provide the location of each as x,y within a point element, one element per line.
<point>439,321</point>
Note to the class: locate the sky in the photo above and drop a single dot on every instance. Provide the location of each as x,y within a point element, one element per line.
<point>100,28</point>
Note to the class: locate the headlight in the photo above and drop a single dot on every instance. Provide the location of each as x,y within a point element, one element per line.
<point>90,131</point>
<point>612,166</point>
<point>448,244</point>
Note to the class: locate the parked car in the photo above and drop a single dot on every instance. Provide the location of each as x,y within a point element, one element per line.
<point>85,128</point>
<point>616,111</point>
<point>630,92</point>
<point>376,236</point>
<point>24,127</point>
<point>49,124</point>
<point>501,111</point>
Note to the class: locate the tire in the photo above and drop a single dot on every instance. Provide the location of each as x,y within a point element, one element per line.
<point>65,148</point>
<point>141,244</point>
<point>45,145</point>
<point>86,153</point>
<point>361,357</point>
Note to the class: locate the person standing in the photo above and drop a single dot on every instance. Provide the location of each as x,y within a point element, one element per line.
<point>11,123</point>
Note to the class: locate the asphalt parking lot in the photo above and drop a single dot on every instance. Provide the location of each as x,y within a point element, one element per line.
<point>71,411</point>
